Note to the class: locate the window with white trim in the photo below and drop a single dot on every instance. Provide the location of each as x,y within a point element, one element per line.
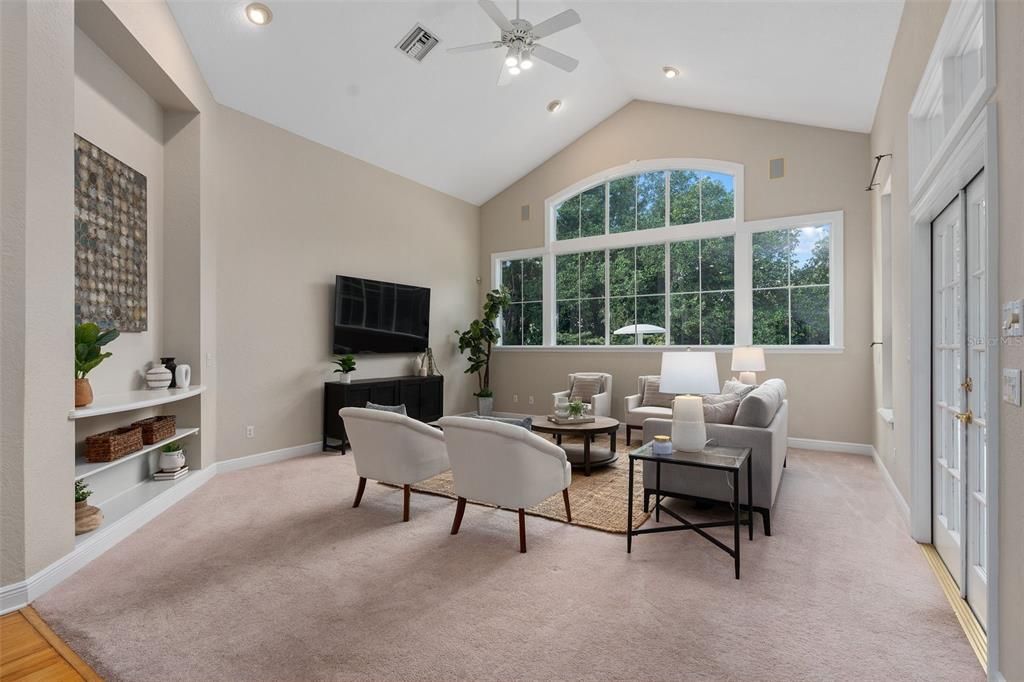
<point>657,254</point>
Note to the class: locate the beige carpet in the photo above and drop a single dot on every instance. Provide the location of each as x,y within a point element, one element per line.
<point>269,574</point>
<point>598,501</point>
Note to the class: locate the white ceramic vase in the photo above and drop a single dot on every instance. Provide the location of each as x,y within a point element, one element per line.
<point>345,378</point>
<point>172,461</point>
<point>485,406</point>
<point>183,376</point>
<point>158,377</point>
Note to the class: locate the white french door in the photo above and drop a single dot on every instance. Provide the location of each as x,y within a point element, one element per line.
<point>959,406</point>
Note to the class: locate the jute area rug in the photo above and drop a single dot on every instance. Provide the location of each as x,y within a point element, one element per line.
<point>598,501</point>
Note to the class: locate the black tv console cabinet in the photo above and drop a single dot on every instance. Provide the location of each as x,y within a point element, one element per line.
<point>423,398</point>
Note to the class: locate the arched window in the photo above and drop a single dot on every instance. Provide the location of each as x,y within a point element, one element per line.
<point>657,253</point>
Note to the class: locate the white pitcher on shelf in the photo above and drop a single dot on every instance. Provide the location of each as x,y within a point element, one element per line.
<point>183,376</point>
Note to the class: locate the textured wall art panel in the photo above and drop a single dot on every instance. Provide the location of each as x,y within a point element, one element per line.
<point>110,240</point>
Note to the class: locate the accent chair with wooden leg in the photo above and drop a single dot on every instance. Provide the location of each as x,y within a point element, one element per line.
<point>393,448</point>
<point>505,465</point>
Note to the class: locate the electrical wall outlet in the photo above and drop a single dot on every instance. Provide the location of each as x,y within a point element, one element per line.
<point>515,397</point>
<point>1011,386</point>
<point>250,431</point>
<point>531,400</point>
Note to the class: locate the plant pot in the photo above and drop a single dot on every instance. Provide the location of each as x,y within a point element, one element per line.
<point>83,392</point>
<point>172,461</point>
<point>345,378</point>
<point>87,517</point>
<point>485,406</point>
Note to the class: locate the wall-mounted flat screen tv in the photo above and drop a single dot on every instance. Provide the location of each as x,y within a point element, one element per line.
<point>380,317</point>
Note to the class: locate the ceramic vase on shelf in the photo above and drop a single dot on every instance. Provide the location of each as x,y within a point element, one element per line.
<point>87,517</point>
<point>485,406</point>
<point>172,461</point>
<point>169,364</point>
<point>83,392</point>
<point>158,377</point>
<point>345,378</point>
<point>182,376</point>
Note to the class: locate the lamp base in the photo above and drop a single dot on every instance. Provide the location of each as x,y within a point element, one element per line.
<point>749,378</point>
<point>688,431</point>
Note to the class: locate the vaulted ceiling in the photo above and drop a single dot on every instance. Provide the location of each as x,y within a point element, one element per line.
<point>328,70</point>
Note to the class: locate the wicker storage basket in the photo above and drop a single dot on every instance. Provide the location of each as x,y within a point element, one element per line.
<point>156,429</point>
<point>111,445</point>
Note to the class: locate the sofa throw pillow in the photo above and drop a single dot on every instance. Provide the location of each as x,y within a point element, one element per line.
<point>397,409</point>
<point>653,397</point>
<point>722,410</point>
<point>524,422</point>
<point>737,387</point>
<point>758,408</point>
<point>585,388</point>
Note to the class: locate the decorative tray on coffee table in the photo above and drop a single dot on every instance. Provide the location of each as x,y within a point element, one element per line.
<point>562,421</point>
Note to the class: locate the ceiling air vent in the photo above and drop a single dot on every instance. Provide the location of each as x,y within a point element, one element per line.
<point>417,43</point>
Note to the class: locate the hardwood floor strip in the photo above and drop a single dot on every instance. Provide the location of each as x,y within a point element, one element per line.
<point>968,621</point>
<point>30,650</point>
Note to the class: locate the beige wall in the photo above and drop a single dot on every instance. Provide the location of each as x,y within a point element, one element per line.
<point>919,27</point>
<point>292,214</point>
<point>824,172</point>
<point>113,112</point>
<point>36,262</point>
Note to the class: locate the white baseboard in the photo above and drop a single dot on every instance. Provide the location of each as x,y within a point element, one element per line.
<point>831,446</point>
<point>20,594</point>
<point>268,457</point>
<point>901,503</point>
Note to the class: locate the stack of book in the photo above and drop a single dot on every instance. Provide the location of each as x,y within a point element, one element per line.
<point>171,475</point>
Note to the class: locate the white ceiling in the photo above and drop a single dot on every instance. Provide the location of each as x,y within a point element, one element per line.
<point>328,70</point>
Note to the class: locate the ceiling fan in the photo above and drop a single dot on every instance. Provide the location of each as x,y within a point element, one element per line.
<point>520,37</point>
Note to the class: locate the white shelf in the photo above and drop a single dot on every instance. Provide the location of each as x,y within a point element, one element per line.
<point>133,400</point>
<point>129,501</point>
<point>83,468</point>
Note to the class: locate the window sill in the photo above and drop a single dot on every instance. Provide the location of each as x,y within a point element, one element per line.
<point>810,350</point>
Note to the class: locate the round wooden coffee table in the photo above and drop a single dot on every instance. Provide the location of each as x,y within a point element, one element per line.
<point>583,456</point>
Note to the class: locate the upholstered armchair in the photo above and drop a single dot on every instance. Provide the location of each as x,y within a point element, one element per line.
<point>600,402</point>
<point>657,406</point>
<point>393,448</point>
<point>505,465</point>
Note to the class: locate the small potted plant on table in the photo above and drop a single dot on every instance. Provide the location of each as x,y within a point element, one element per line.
<point>346,365</point>
<point>172,457</point>
<point>479,340</point>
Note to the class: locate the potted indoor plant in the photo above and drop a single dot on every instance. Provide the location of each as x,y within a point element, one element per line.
<point>172,457</point>
<point>87,517</point>
<point>479,340</point>
<point>346,365</point>
<point>89,339</point>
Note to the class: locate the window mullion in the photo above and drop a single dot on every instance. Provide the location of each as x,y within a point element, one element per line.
<point>743,286</point>
<point>607,298</point>
<point>668,293</point>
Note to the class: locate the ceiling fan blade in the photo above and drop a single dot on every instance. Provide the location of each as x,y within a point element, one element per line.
<point>556,23</point>
<point>476,47</point>
<point>555,58</point>
<point>495,14</point>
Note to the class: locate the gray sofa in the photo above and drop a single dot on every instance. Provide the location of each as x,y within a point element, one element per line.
<point>767,445</point>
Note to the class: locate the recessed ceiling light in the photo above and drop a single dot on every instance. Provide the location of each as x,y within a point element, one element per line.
<point>554,105</point>
<point>670,71</point>
<point>258,13</point>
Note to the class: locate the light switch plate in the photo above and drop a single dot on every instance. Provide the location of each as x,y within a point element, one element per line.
<point>1013,316</point>
<point>1011,386</point>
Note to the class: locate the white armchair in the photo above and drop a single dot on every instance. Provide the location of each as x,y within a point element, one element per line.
<point>636,412</point>
<point>601,402</point>
<point>393,448</point>
<point>505,465</point>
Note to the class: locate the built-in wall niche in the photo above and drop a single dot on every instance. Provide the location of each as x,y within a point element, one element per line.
<point>958,80</point>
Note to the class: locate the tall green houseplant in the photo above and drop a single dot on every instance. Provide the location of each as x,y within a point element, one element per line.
<point>480,338</point>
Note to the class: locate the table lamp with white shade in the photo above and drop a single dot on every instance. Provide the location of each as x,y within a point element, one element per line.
<point>690,373</point>
<point>748,361</point>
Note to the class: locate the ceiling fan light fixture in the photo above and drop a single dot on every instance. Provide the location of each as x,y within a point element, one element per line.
<point>514,70</point>
<point>670,71</point>
<point>554,105</point>
<point>526,63</point>
<point>258,13</point>
<point>511,60</point>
